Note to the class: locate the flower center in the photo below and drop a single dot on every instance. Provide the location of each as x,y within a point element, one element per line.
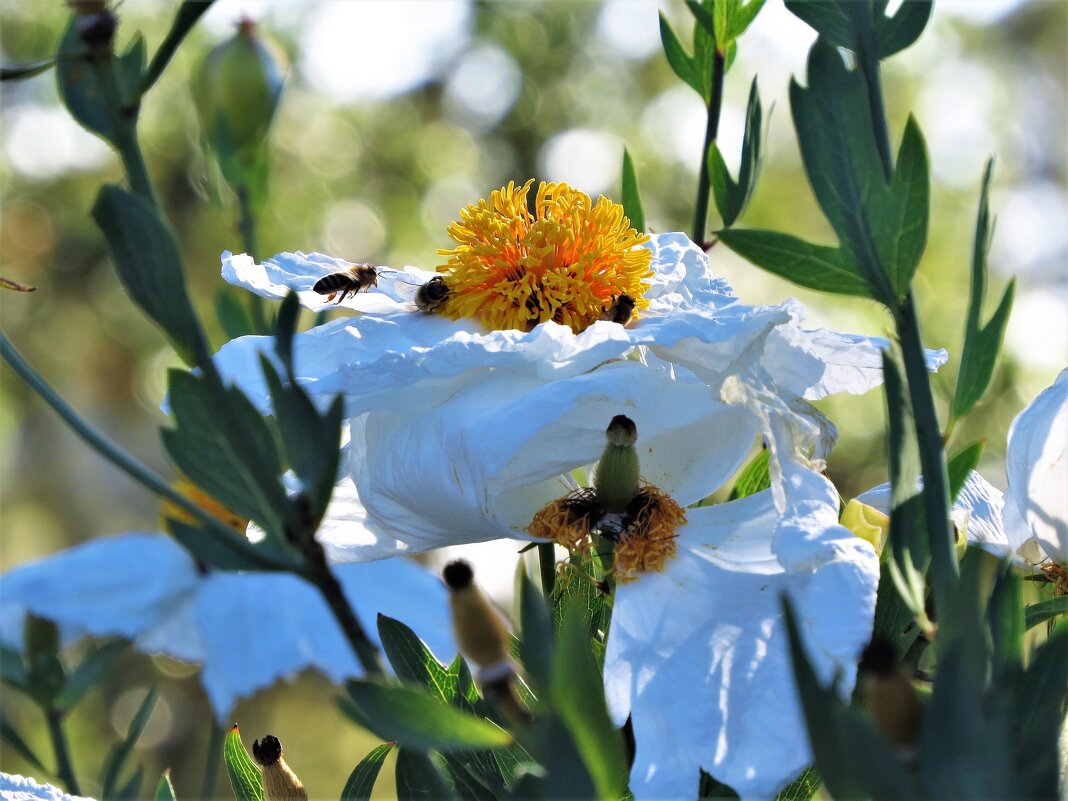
<point>642,538</point>
<point>570,260</point>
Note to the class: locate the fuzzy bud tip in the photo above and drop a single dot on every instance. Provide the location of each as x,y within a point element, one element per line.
<point>622,432</point>
<point>458,575</point>
<point>267,751</point>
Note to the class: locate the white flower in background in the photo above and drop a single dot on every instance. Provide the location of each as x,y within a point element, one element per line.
<point>527,294</point>
<point>247,630</point>
<point>21,788</point>
<point>1030,519</point>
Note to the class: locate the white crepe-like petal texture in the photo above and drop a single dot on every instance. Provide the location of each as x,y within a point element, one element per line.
<point>1036,464</point>
<point>247,629</point>
<point>698,654</point>
<point>21,788</point>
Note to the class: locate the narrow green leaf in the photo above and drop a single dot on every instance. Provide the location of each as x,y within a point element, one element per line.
<point>828,20</point>
<point>16,72</point>
<point>411,660</point>
<point>1045,610</point>
<point>361,781</point>
<point>895,33</point>
<point>536,630</point>
<point>709,20</point>
<point>116,759</point>
<point>165,790</point>
<point>78,85</point>
<point>132,787</point>
<point>900,214</point>
<point>232,315</point>
<point>245,778</point>
<point>12,738</point>
<point>466,778</point>
<point>742,18</point>
<point>1005,618</point>
<point>753,478</point>
<point>681,62</point>
<point>632,201</point>
<point>418,778</point>
<point>982,343</point>
<point>817,267</point>
<point>1039,716</point>
<point>578,698</point>
<point>416,719</point>
<point>131,66</point>
<point>188,13</point>
<point>94,668</point>
<point>961,465</point>
<point>146,258</point>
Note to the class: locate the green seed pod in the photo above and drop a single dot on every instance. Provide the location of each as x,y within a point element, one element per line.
<point>616,479</point>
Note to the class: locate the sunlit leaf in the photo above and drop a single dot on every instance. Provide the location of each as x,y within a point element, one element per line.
<point>632,202</point>
<point>361,781</point>
<point>245,778</point>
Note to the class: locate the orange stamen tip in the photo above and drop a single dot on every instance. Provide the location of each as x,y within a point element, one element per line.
<point>649,540</point>
<point>567,260</point>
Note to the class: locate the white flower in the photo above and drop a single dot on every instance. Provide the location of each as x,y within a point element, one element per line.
<point>247,629</point>
<point>21,788</point>
<point>1030,519</point>
<point>405,374</point>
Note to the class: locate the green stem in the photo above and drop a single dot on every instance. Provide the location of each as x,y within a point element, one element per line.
<point>64,766</point>
<point>211,765</point>
<point>932,454</point>
<point>124,124</point>
<point>547,560</point>
<point>715,105</point>
<point>246,223</point>
<point>878,117</point>
<point>188,14</point>
<point>101,444</point>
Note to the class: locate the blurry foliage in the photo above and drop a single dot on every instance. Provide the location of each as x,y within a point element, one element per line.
<point>379,181</point>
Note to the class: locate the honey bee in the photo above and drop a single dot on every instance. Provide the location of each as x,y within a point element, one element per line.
<point>621,310</point>
<point>432,294</point>
<point>347,282</point>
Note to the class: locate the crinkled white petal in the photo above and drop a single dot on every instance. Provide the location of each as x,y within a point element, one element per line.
<point>1036,464</point>
<point>298,272</point>
<point>22,788</point>
<point>479,466</point>
<point>107,587</point>
<point>698,654</point>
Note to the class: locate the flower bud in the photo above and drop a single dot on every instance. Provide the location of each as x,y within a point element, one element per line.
<point>616,480</point>
<point>869,524</point>
<point>892,701</point>
<point>280,783</point>
<point>237,90</point>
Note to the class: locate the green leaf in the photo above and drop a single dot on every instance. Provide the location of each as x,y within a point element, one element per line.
<point>1005,619</point>
<point>709,788</point>
<point>411,660</point>
<point>165,790</point>
<point>416,719</point>
<point>681,62</point>
<point>132,787</point>
<point>131,66</point>
<point>960,466</point>
<point>712,21</point>
<point>1039,715</point>
<point>78,85</point>
<point>146,258</point>
<point>1045,610</point>
<point>803,787</point>
<point>232,551</point>
<point>188,13</point>
<point>467,779</point>
<point>116,759</point>
<point>828,20</point>
<point>741,18</point>
<point>899,215</point>
<point>12,738</point>
<point>245,778</point>
<point>361,781</point>
<point>17,72</point>
<point>732,197</point>
<point>895,33</point>
<point>12,668</point>
<point>578,698</point>
<point>632,201</point>
<point>982,343</point>
<point>94,668</point>
<point>753,478</point>
<point>233,315</point>
<point>418,778</point>
<point>818,267</point>
<point>536,630</point>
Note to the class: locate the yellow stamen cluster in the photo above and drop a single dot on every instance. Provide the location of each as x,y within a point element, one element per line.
<point>171,511</point>
<point>567,260</point>
<point>645,544</point>
<point>649,540</point>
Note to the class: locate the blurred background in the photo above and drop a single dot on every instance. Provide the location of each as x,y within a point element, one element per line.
<point>398,114</point>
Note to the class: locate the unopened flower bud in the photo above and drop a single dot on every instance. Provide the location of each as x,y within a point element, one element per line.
<point>616,479</point>
<point>867,523</point>
<point>892,701</point>
<point>238,88</point>
<point>280,783</point>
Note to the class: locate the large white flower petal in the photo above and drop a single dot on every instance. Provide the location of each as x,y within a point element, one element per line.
<point>21,788</point>
<point>298,272</point>
<point>712,623</point>
<point>107,587</point>
<point>479,466</point>
<point>1036,463</point>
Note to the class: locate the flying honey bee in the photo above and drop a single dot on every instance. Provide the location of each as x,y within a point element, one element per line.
<point>347,282</point>
<point>621,310</point>
<point>432,294</point>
